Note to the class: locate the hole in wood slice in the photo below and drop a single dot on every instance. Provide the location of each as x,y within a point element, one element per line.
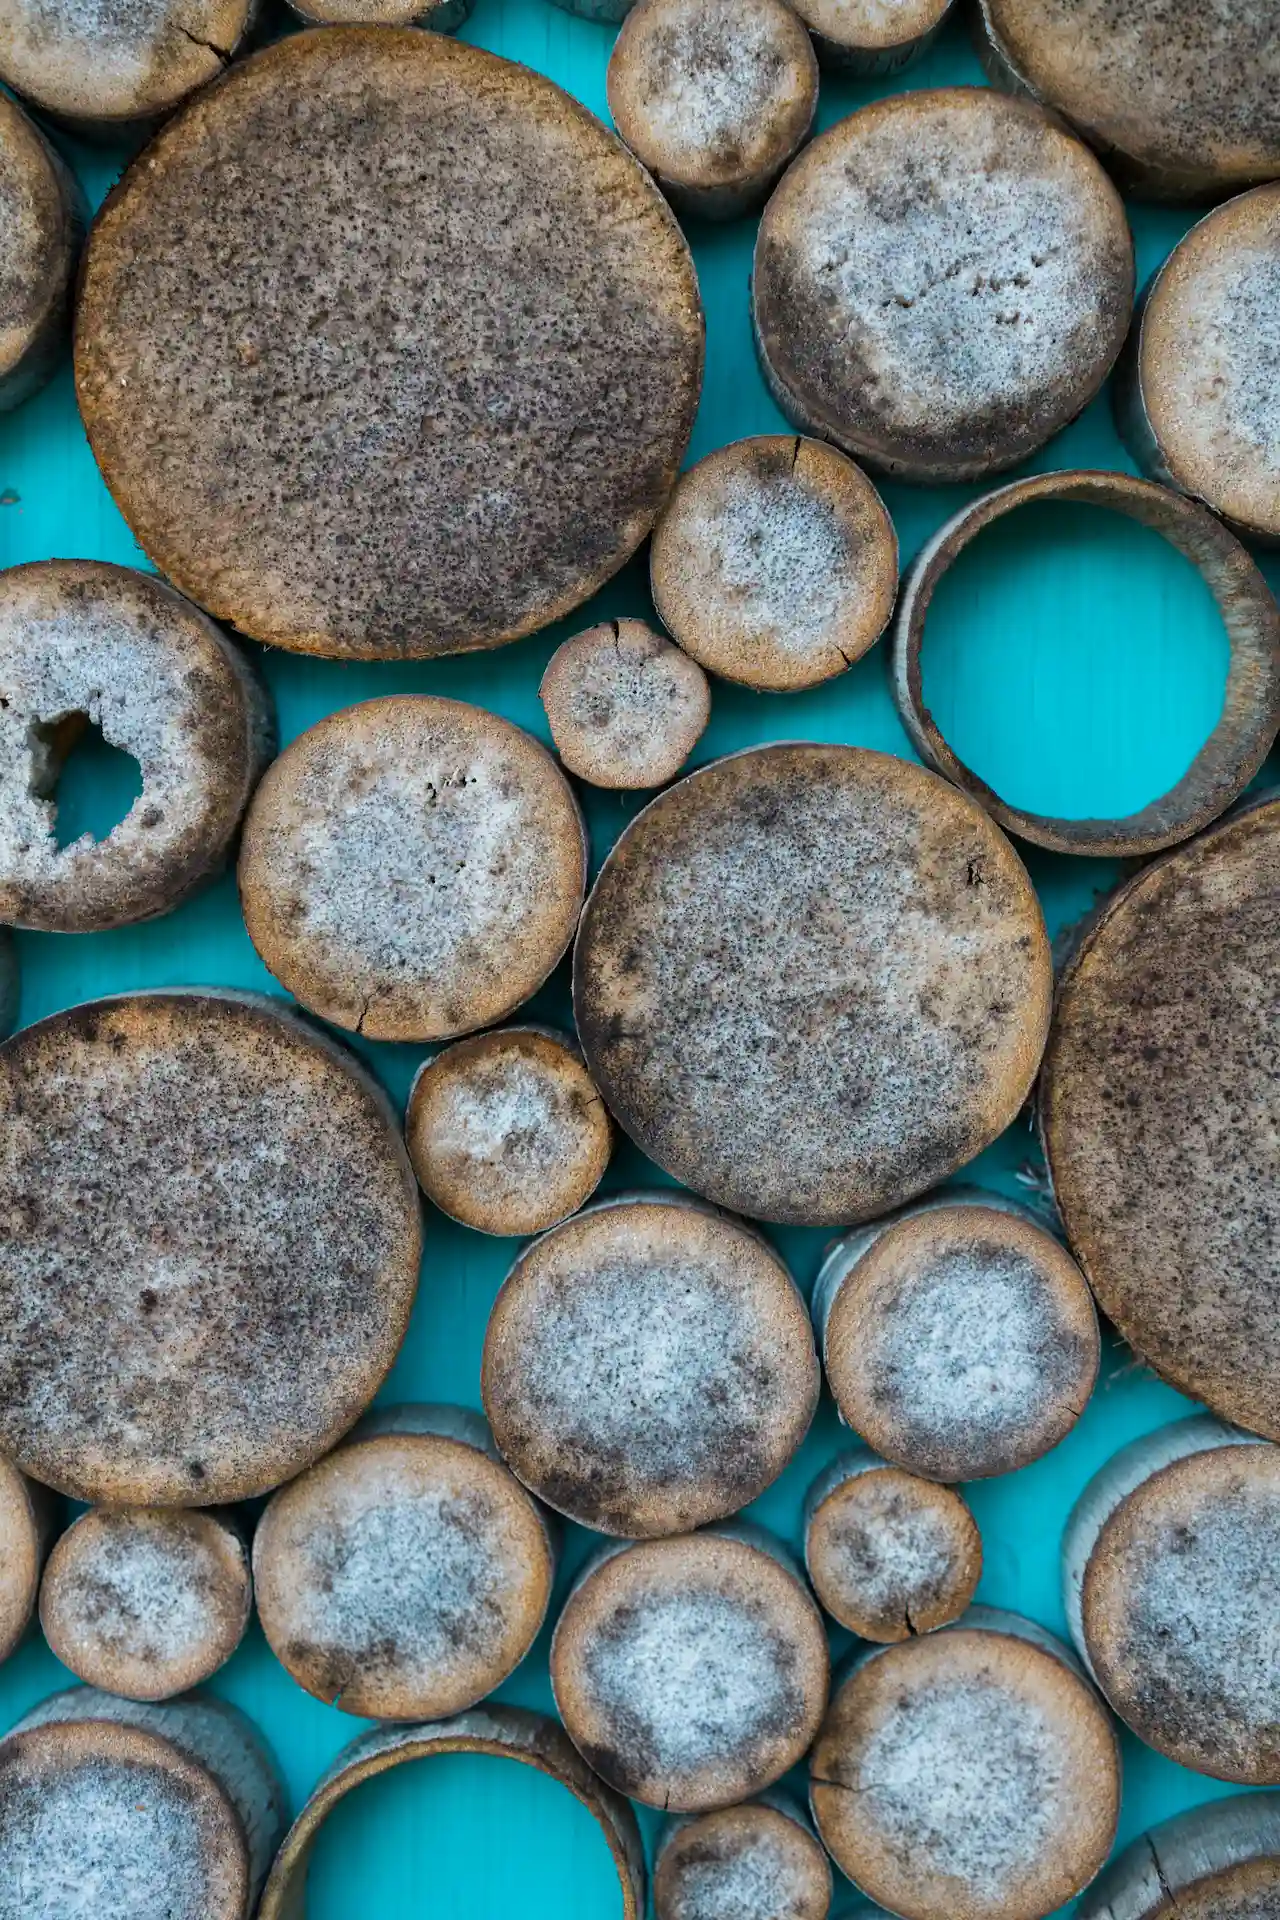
<point>1198,402</point>
<point>1189,111</point>
<point>959,1339</point>
<point>412,868</point>
<point>406,1575</point>
<point>775,563</point>
<point>648,1366</point>
<point>29,1516</point>
<point>811,981</point>
<point>506,1130</point>
<point>971,1774</point>
<point>164,1171</point>
<point>760,1861</point>
<point>146,1602</point>
<point>42,212</point>
<point>691,1673</point>
<point>714,96</point>
<point>92,651</point>
<point>941,282</point>
<point>391,433</point>
<point>1216,1862</point>
<point>625,707</point>
<point>889,1554</point>
<point>1156,1109</point>
<point>872,36</point>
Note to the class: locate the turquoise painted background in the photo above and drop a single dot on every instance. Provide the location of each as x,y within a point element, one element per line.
<point>1073,659</point>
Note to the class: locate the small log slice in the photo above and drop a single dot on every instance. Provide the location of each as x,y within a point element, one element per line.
<point>28,1524</point>
<point>759,1861</point>
<point>441,16</point>
<point>775,563</point>
<point>959,1338</point>
<point>1155,1112</point>
<point>942,281</point>
<point>506,1130</point>
<point>971,1774</point>
<point>210,1251</point>
<point>1169,1564</point>
<point>436,437</point>
<point>144,1601</point>
<point>1216,1862</point>
<point>872,36</point>
<point>413,868</point>
<point>1198,398</point>
<point>1184,105</point>
<point>85,643</point>
<point>43,216</point>
<point>407,1574</point>
<point>648,1366</point>
<point>625,707</point>
<point>811,981</point>
<point>889,1554</point>
<point>714,97</point>
<point>691,1673</point>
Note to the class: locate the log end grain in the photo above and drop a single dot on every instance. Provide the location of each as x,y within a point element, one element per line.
<point>625,707</point>
<point>889,1554</point>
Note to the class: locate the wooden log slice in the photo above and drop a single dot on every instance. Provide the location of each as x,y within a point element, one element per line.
<point>1156,1111</point>
<point>413,868</point>
<point>145,1601</point>
<point>889,1554</point>
<point>1216,1862</point>
<point>86,643</point>
<point>1197,398</point>
<point>407,1574</point>
<point>506,1130</point>
<point>811,981</point>
<point>43,216</point>
<point>942,281</point>
<point>437,436</point>
<point>648,1366</point>
<point>759,1861</point>
<point>28,1524</point>
<point>1182,99</point>
<point>1169,1564</point>
<point>625,707</point>
<point>714,97</point>
<point>210,1247</point>
<point>115,71</point>
<point>971,1774</point>
<point>499,1732</point>
<point>691,1673</point>
<point>775,563</point>
<point>872,36</point>
<point>959,1338</point>
<point>441,16</point>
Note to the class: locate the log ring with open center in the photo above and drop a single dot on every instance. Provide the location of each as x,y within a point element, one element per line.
<point>505,1733</point>
<point>1250,715</point>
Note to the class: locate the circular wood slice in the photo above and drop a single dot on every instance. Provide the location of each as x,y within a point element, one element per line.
<point>1184,105</point>
<point>759,1861</point>
<point>28,1523</point>
<point>85,643</point>
<point>145,1601</point>
<point>42,212</point>
<point>811,981</point>
<point>109,71</point>
<point>500,1733</point>
<point>941,282</point>
<point>1170,1561</point>
<point>775,563</point>
<point>506,1130</point>
<point>959,1338</point>
<point>1197,401</point>
<point>691,1673</point>
<point>377,432</point>
<point>1250,713</point>
<point>441,16</point>
<point>211,1245</point>
<point>1215,1862</point>
<point>872,36</point>
<point>648,1366</point>
<point>412,868</point>
<point>1156,1110</point>
<point>889,1554</point>
<point>714,96</point>
<point>625,707</point>
<point>406,1575</point>
<point>971,1774</point>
